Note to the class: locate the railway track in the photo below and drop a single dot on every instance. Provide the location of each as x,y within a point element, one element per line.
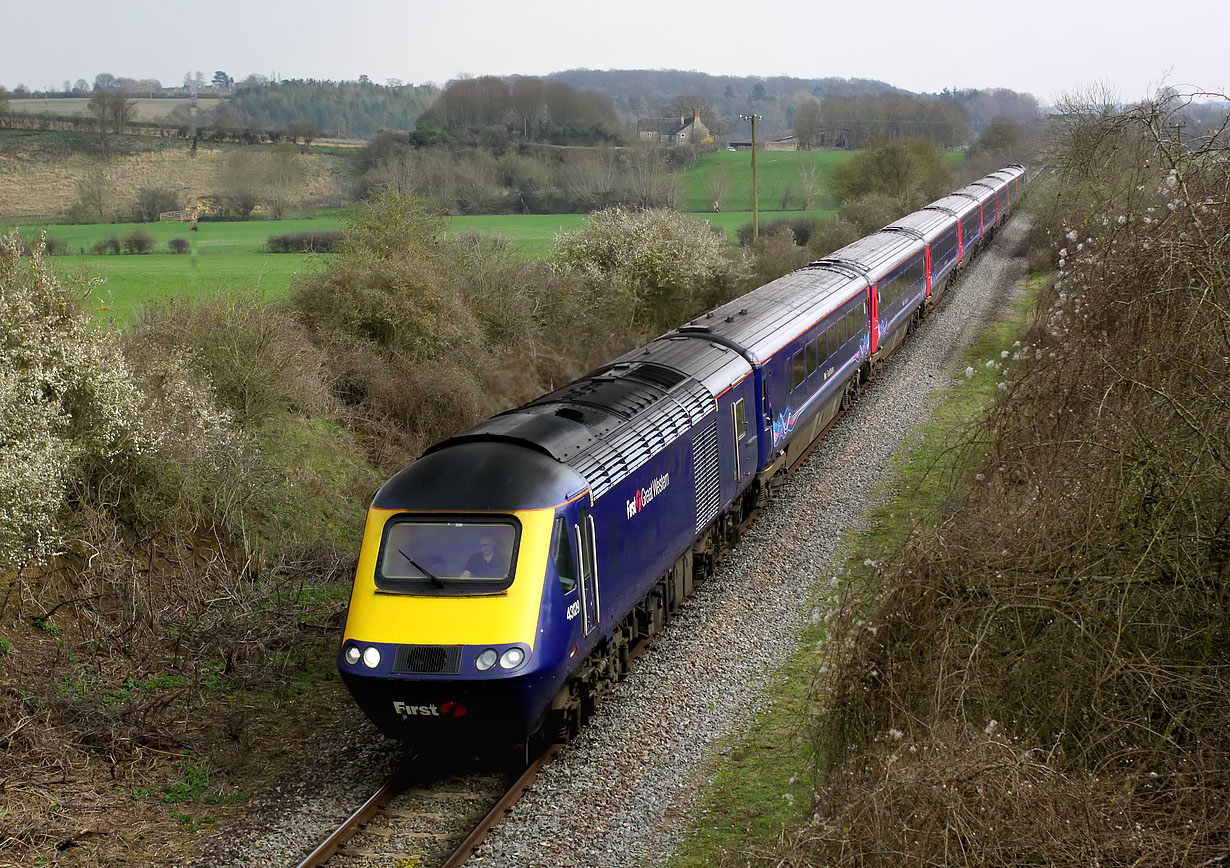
<point>419,816</point>
<point>425,816</point>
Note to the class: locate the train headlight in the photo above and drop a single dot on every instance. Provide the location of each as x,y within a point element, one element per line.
<point>486,660</point>
<point>512,658</point>
<point>353,654</point>
<point>371,657</point>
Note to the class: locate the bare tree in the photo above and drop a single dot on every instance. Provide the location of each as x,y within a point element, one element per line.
<point>647,183</point>
<point>808,123</point>
<point>717,185</point>
<point>285,177</point>
<point>590,177</point>
<point>809,183</point>
<point>244,184</point>
<point>93,196</point>
<point>112,111</point>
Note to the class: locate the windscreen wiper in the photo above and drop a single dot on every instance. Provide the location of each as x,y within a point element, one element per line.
<point>435,580</point>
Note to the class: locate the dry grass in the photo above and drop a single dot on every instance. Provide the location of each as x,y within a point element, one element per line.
<point>45,189</point>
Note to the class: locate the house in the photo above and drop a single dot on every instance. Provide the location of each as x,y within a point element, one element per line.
<point>685,131</point>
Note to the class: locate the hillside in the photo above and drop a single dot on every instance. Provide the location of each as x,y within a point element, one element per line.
<point>43,176</point>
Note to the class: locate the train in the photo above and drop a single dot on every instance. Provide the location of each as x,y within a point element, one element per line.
<point>507,576</point>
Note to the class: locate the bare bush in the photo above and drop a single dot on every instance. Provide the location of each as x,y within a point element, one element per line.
<point>258,360</point>
<point>137,241</point>
<point>1074,599</point>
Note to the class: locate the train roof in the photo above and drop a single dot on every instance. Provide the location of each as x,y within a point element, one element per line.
<point>927,224</point>
<point>960,205</point>
<point>976,190</point>
<point>611,421</point>
<point>766,319</point>
<point>992,182</point>
<point>874,256</point>
<point>480,476</point>
<point>716,366</point>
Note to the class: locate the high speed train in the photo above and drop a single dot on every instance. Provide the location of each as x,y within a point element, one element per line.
<point>507,574</point>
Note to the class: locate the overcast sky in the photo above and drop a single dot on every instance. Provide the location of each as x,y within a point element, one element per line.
<point>1052,46</point>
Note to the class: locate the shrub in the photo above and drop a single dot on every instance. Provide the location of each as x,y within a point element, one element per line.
<point>800,229</point>
<point>259,362</point>
<point>663,263</point>
<point>304,242</point>
<point>1042,676</point>
<point>912,171</point>
<point>179,245</point>
<point>776,254</point>
<point>107,245</point>
<point>137,241</point>
<point>54,246</point>
<point>153,201</point>
<point>67,400</point>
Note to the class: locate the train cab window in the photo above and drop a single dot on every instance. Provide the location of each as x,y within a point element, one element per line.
<point>447,556</point>
<point>565,560</point>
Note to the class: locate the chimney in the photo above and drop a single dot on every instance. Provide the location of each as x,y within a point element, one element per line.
<point>680,117</point>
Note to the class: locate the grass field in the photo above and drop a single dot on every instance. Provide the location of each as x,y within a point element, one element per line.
<point>146,109</point>
<point>248,236</point>
<point>777,176</point>
<point>131,282</point>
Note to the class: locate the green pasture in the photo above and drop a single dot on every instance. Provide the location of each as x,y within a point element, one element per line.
<point>232,255</point>
<point>127,283</point>
<point>531,235</point>
<point>777,179</point>
<point>247,236</point>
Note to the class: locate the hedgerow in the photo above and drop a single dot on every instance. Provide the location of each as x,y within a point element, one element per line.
<point>1040,676</point>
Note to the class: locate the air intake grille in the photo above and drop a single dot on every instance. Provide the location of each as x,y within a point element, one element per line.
<point>708,485</point>
<point>428,659</point>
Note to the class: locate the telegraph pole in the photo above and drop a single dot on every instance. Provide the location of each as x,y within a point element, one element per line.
<point>755,191</point>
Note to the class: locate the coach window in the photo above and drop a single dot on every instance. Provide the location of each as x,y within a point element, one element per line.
<point>565,563</point>
<point>830,339</point>
<point>811,358</point>
<point>800,369</point>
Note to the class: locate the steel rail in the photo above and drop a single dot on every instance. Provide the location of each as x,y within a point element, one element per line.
<point>472,841</point>
<point>325,850</point>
